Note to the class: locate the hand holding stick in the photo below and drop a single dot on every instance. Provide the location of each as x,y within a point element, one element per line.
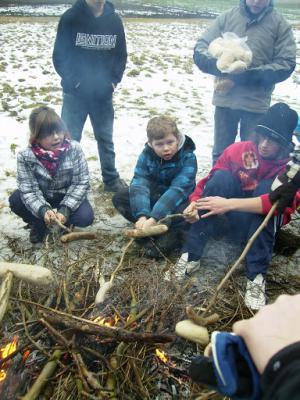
<point>158,229</point>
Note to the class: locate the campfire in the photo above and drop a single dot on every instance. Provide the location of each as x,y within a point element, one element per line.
<point>58,343</point>
<point>4,353</point>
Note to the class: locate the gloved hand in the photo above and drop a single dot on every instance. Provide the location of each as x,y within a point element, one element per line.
<point>230,370</point>
<point>284,190</point>
<point>206,63</point>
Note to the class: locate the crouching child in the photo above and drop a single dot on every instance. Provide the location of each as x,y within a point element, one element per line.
<point>52,177</point>
<point>238,186</point>
<point>164,177</point>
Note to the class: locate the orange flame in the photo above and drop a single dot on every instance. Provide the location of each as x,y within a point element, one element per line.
<point>161,355</point>
<point>6,351</point>
<point>107,321</point>
<point>25,355</point>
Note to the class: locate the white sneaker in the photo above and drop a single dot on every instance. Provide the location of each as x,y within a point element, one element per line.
<point>185,267</point>
<point>255,297</point>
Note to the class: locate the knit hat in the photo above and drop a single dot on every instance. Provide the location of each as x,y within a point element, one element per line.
<point>278,124</point>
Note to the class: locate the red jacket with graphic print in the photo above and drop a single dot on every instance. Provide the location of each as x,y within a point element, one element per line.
<point>244,162</point>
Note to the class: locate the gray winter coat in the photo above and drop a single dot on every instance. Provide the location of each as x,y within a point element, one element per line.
<point>37,185</point>
<point>274,56</point>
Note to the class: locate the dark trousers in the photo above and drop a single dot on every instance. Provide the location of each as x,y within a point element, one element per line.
<point>83,216</point>
<point>242,224</point>
<point>75,111</point>
<point>226,128</point>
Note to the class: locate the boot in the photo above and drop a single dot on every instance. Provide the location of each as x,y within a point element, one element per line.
<point>37,233</point>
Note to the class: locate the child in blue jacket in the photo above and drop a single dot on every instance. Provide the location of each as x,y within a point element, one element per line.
<point>164,177</point>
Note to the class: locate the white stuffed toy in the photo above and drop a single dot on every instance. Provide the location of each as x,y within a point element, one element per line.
<point>232,53</point>
<point>233,56</point>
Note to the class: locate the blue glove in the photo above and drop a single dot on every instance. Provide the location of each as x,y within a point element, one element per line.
<point>230,370</point>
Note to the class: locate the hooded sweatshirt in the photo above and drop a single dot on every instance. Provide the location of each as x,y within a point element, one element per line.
<point>90,52</point>
<point>173,180</point>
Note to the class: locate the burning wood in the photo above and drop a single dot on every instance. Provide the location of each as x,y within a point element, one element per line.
<point>92,328</point>
<point>4,352</point>
<point>161,355</point>
<point>107,321</point>
<point>104,350</point>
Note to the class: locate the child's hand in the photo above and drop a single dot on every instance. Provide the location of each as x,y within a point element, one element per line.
<point>60,217</point>
<point>215,205</point>
<point>49,217</point>
<point>149,222</point>
<point>144,222</point>
<point>191,213</point>
<point>140,222</point>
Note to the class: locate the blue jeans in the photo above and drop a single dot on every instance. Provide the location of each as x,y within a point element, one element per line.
<point>226,128</point>
<point>243,224</point>
<point>83,216</point>
<point>75,111</point>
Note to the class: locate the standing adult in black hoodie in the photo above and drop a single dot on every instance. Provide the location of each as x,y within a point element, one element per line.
<point>90,57</point>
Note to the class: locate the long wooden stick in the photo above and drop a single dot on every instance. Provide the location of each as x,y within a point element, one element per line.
<point>62,226</point>
<point>105,286</point>
<point>169,217</point>
<point>240,259</point>
<point>112,277</point>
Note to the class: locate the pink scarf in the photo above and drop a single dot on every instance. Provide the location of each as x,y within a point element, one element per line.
<point>50,158</point>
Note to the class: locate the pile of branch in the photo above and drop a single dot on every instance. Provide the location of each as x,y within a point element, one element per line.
<point>74,343</point>
<point>77,349</point>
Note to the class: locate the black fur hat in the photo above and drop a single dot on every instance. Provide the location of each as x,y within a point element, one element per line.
<point>278,124</point>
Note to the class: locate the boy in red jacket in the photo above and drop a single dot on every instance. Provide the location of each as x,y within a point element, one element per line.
<point>242,178</point>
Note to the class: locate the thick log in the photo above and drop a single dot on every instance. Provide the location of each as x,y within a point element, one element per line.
<point>151,231</point>
<point>92,328</point>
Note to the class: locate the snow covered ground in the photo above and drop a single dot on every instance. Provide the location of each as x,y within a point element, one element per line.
<point>160,78</point>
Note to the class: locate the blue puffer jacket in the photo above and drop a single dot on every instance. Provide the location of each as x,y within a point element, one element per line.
<point>174,180</point>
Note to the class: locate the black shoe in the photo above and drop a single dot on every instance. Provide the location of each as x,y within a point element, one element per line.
<point>150,250</point>
<point>171,241</point>
<point>36,234</point>
<point>115,185</point>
